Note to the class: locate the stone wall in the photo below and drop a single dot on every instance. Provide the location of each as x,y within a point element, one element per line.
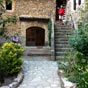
<point>35,22</point>
<point>31,8</point>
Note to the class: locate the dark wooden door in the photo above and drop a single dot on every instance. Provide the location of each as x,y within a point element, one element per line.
<point>30,37</point>
<point>35,36</point>
<point>40,37</point>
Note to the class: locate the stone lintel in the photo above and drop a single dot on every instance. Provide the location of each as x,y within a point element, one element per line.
<point>27,18</point>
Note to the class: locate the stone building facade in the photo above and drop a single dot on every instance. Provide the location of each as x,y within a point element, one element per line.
<point>30,14</point>
<point>35,14</point>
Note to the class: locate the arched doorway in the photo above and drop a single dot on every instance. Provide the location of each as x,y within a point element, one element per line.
<point>35,36</point>
<point>58,4</point>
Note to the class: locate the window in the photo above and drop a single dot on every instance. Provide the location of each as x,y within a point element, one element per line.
<point>79,2</point>
<point>9,5</point>
<point>74,4</point>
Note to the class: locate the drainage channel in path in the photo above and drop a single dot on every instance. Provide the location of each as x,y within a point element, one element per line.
<point>40,73</point>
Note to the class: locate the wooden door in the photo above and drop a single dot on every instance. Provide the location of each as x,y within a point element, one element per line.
<point>40,37</point>
<point>35,36</point>
<point>30,37</point>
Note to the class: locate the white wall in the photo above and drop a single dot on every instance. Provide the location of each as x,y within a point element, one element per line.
<point>75,13</point>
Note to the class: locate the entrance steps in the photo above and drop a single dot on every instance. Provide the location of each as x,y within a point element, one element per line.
<point>37,51</point>
<point>61,40</point>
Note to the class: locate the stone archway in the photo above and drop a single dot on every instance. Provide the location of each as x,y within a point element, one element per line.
<point>58,4</point>
<point>35,36</point>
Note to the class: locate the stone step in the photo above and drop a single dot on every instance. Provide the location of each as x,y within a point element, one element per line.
<point>37,51</point>
<point>62,33</point>
<point>60,53</point>
<point>61,39</point>
<point>61,42</point>
<point>59,25</point>
<point>63,49</point>
<point>59,57</point>
<point>59,36</point>
<point>62,45</point>
<point>62,30</point>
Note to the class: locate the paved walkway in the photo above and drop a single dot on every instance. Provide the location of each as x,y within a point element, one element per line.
<point>40,74</point>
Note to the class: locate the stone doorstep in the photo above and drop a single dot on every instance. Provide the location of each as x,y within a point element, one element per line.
<point>64,81</point>
<point>16,81</point>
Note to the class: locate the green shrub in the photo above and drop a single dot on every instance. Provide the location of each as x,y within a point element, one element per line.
<point>75,66</point>
<point>80,69</point>
<point>79,41</point>
<point>10,58</point>
<point>67,61</point>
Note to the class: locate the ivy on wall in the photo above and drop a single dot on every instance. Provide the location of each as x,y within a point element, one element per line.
<point>3,22</point>
<point>50,30</point>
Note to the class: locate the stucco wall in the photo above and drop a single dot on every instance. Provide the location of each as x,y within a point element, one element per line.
<point>75,13</point>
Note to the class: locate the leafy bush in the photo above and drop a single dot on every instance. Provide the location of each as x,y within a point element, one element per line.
<point>78,71</point>
<point>75,66</point>
<point>79,41</point>
<point>10,60</point>
<point>67,63</point>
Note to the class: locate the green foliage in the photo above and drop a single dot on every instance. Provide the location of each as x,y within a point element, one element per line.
<point>84,12</point>
<point>80,70</point>
<point>86,4</point>
<point>11,19</point>
<point>79,41</point>
<point>84,79</point>
<point>75,66</point>
<point>67,62</point>
<point>3,22</point>
<point>10,61</point>
<point>8,1</point>
<point>50,30</point>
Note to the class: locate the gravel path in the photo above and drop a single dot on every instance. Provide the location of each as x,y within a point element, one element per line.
<point>40,74</point>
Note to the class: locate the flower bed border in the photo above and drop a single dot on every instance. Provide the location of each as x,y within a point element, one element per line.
<point>16,81</point>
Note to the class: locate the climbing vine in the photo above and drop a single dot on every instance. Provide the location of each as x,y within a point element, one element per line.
<point>3,21</point>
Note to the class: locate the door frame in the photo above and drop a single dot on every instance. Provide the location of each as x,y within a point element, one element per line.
<point>39,37</point>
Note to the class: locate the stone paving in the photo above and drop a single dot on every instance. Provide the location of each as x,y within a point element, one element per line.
<point>40,73</point>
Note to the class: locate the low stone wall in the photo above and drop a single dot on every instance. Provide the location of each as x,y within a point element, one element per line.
<point>15,82</point>
<point>64,81</point>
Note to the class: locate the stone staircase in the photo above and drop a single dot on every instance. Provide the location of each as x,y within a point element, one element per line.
<point>38,52</point>
<point>61,40</point>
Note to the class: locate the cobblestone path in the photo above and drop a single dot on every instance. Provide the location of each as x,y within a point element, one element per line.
<point>40,74</point>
